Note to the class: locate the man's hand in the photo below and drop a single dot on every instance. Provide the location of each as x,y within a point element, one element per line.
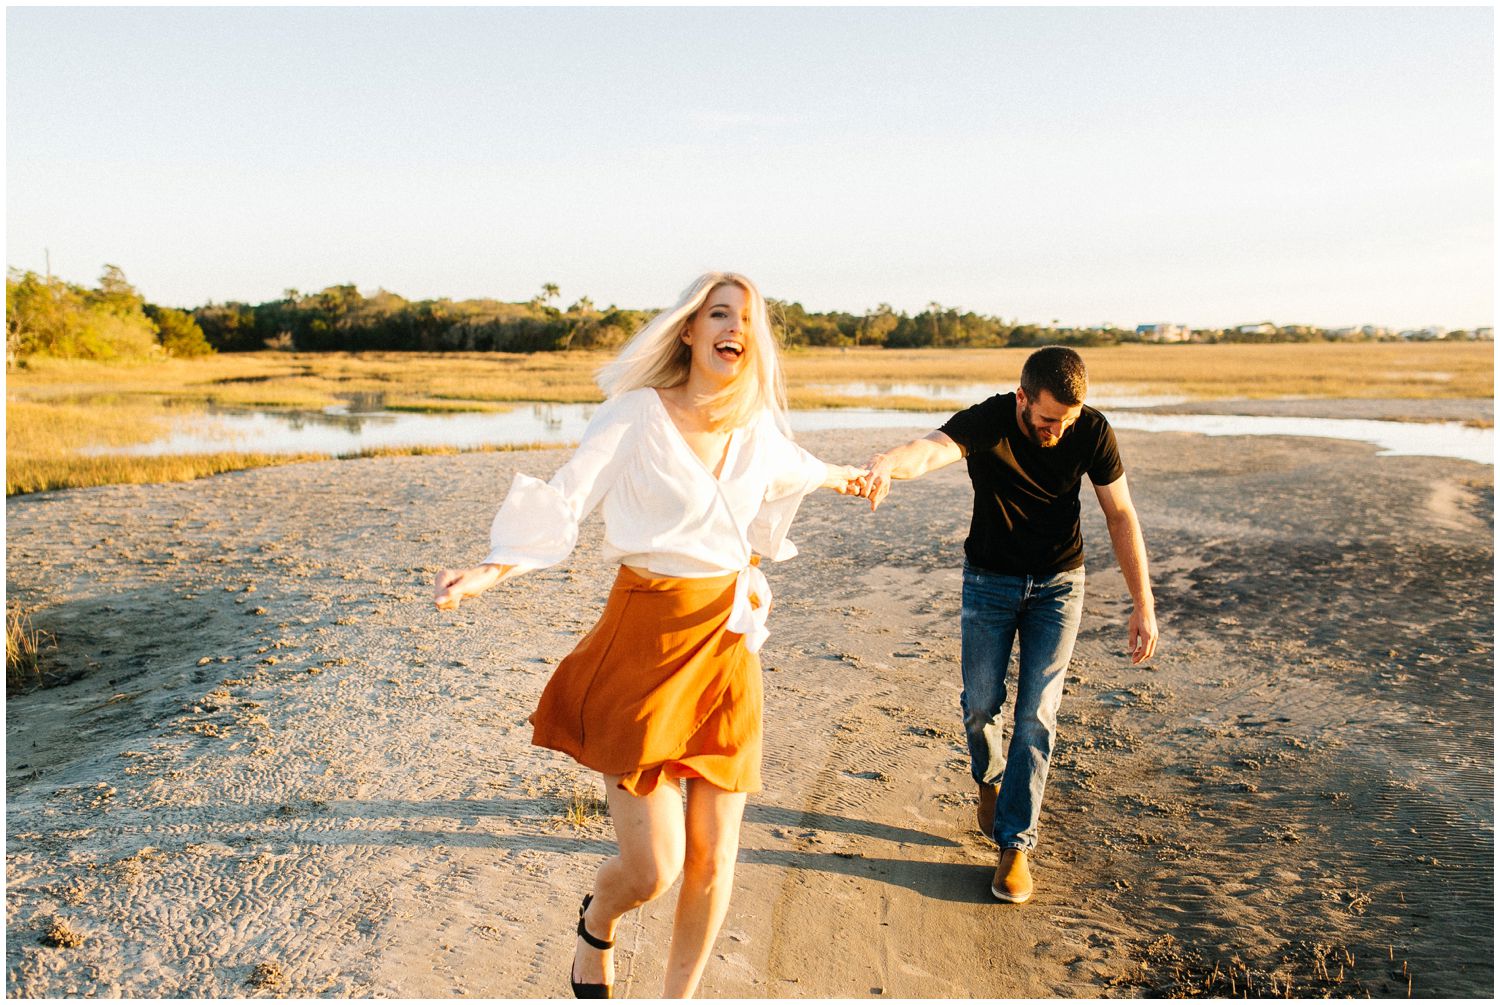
<point>877,484</point>
<point>1142,635</point>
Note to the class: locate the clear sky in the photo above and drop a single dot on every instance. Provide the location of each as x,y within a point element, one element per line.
<point>1209,166</point>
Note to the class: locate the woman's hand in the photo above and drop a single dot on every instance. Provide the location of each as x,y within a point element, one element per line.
<point>844,480</point>
<point>453,585</point>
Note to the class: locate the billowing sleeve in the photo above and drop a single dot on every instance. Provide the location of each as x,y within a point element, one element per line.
<point>793,474</point>
<point>537,525</point>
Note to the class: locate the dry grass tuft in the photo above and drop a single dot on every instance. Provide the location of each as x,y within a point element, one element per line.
<point>1169,969</point>
<point>61,935</point>
<point>23,651</point>
<point>585,806</point>
<point>267,975</point>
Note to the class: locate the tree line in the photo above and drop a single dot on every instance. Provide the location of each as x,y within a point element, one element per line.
<point>341,318</point>
<point>47,316</point>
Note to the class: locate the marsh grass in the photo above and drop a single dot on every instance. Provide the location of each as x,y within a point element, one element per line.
<point>62,413</point>
<point>24,645</point>
<point>32,474</point>
<point>52,429</point>
<point>906,403</point>
<point>308,380</point>
<point>443,407</point>
<point>1314,369</point>
<point>442,450</point>
<point>43,474</point>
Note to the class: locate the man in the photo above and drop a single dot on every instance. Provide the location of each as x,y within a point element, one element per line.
<point>1027,453</point>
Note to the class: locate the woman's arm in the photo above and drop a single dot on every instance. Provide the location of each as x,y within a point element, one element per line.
<point>537,524</point>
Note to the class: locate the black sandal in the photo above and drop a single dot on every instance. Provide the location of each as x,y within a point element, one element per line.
<point>589,990</point>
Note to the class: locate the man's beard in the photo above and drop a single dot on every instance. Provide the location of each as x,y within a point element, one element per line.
<point>1029,428</point>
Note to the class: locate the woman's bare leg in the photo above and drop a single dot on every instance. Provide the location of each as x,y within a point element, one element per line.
<point>650,833</point>
<point>713,842</point>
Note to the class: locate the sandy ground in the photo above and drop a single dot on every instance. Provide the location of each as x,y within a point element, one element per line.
<point>280,772</point>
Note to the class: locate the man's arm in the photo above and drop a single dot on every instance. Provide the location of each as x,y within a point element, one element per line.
<point>1130,552</point>
<point>911,460</point>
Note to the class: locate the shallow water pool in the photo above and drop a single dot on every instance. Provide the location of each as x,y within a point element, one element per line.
<point>339,431</point>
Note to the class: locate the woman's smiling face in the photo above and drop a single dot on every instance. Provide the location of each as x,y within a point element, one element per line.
<point>719,334</point>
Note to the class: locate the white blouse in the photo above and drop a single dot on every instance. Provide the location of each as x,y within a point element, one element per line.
<point>664,511</point>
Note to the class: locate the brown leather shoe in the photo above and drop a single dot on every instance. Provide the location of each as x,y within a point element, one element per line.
<point>986,813</point>
<point>1012,882</point>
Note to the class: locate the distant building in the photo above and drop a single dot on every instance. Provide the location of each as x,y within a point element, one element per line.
<point>1163,331</point>
<point>1429,334</point>
<point>1355,332</point>
<point>1484,334</point>
<point>1264,328</point>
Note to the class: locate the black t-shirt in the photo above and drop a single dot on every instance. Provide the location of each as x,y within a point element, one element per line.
<point>1025,496</point>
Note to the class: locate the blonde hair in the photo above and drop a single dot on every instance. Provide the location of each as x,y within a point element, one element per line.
<point>656,356</point>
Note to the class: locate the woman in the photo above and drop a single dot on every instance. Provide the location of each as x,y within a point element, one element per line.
<point>692,461</point>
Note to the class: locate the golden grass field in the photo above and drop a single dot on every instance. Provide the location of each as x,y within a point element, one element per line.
<point>57,409</point>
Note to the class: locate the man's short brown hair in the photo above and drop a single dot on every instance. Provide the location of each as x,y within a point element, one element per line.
<point>1057,370</point>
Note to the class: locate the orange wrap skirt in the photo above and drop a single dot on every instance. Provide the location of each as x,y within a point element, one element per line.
<point>660,685</point>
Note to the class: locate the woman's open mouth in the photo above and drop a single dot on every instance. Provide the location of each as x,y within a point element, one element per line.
<point>729,349</point>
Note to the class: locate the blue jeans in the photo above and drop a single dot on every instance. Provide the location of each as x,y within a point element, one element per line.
<point>1045,613</point>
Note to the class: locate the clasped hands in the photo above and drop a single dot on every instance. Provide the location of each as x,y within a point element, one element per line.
<point>872,482</point>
